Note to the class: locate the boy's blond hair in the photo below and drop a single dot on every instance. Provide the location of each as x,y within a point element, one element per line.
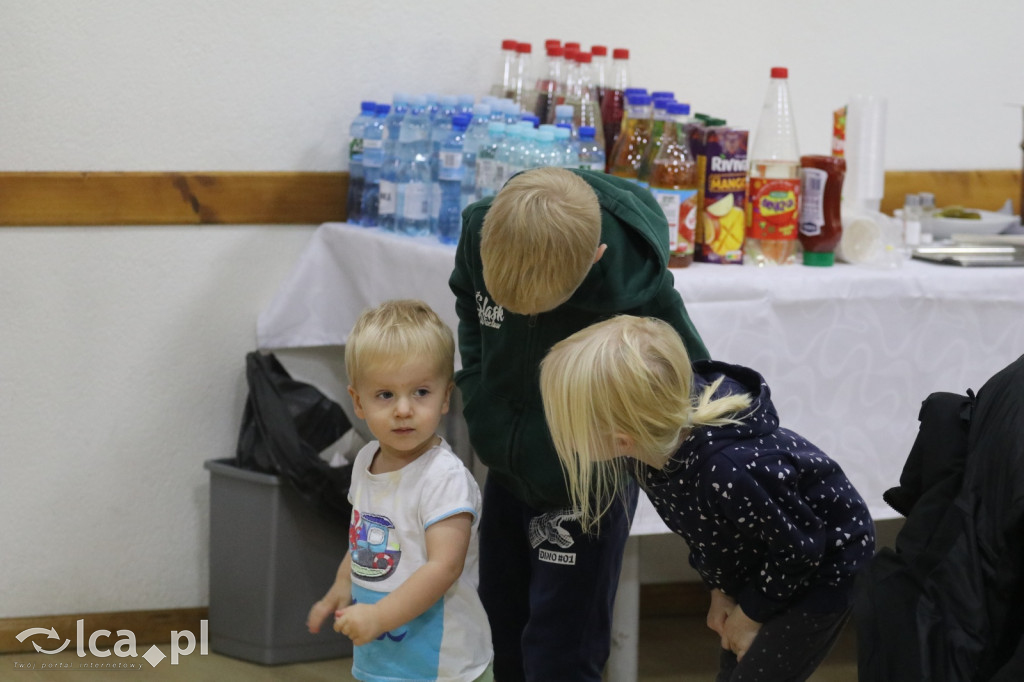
<point>397,331</point>
<point>539,239</point>
<point>626,375</point>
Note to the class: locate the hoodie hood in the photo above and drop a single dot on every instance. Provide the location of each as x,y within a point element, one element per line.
<point>759,419</point>
<point>635,264</point>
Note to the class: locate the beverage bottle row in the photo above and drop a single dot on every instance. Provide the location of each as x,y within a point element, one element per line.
<point>593,82</point>
<point>405,158</point>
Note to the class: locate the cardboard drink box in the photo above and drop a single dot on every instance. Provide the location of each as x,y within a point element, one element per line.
<point>722,167</point>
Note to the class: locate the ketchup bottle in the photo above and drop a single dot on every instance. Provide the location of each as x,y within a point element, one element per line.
<point>820,221</point>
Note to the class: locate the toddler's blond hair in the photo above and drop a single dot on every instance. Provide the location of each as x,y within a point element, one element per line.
<point>397,331</point>
<point>539,239</point>
<point>626,375</point>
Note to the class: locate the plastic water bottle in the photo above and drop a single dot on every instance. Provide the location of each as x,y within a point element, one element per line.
<point>440,127</point>
<point>414,170</point>
<point>466,103</point>
<point>545,150</point>
<point>591,154</point>
<point>487,166</point>
<point>450,174</point>
<point>356,176</point>
<point>568,148</point>
<point>507,151</point>
<point>476,136</point>
<point>564,116</point>
<point>773,208</point>
<point>527,149</point>
<point>388,206</point>
<point>373,159</point>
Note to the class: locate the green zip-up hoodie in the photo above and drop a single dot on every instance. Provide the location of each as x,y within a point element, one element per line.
<point>501,351</point>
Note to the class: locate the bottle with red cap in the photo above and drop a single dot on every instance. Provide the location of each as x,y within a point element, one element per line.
<point>582,96</point>
<point>773,197</point>
<point>614,102</point>
<point>502,86</point>
<point>523,93</point>
<point>551,84</point>
<point>600,71</point>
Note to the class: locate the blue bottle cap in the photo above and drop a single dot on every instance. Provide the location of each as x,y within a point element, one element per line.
<point>461,121</point>
<point>679,108</point>
<point>639,99</point>
<point>383,109</point>
<point>368,106</point>
<point>587,131</point>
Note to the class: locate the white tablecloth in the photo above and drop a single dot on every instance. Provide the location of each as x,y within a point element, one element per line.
<point>849,352</point>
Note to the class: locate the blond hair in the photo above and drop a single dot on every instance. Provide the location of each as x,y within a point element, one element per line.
<point>539,238</point>
<point>626,375</point>
<point>395,332</point>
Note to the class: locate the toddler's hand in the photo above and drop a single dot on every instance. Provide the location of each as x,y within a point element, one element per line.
<point>359,623</point>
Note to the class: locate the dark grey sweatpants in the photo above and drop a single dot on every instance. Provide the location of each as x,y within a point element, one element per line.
<point>788,648</point>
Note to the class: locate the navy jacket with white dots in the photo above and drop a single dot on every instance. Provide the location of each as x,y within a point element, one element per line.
<point>769,518</point>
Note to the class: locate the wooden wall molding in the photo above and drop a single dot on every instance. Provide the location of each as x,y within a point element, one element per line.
<point>241,198</point>
<point>226,198</point>
<point>149,627</point>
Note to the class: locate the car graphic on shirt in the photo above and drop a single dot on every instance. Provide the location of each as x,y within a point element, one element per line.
<point>374,548</point>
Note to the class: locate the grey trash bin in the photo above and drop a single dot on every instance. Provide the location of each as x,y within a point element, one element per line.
<point>271,557</point>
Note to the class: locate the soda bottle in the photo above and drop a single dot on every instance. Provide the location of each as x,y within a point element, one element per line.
<point>373,159</point>
<point>583,98</point>
<point>614,101</point>
<point>600,71</point>
<point>591,154</point>
<point>388,207</point>
<point>356,176</point>
<point>550,86</point>
<point>450,175</point>
<point>504,83</point>
<point>522,92</point>
<point>414,171</point>
<point>773,207</point>
<point>674,182</point>
<point>629,149</point>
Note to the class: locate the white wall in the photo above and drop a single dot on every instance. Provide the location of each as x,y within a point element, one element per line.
<point>121,349</point>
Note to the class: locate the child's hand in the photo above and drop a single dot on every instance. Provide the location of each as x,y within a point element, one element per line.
<point>321,610</point>
<point>359,623</point>
<point>721,606</point>
<point>740,632</point>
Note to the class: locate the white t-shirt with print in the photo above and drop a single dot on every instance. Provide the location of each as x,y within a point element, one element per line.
<point>451,641</point>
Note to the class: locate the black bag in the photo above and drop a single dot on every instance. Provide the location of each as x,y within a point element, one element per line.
<point>285,426</point>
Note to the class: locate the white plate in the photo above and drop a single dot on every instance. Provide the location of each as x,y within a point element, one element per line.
<point>989,223</point>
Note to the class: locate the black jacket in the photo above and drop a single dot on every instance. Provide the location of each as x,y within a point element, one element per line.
<point>769,518</point>
<point>947,605</point>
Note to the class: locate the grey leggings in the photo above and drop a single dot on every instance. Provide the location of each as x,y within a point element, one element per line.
<point>787,649</point>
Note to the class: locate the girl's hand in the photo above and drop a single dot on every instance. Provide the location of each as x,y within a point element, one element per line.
<point>740,632</point>
<point>359,622</point>
<point>721,606</point>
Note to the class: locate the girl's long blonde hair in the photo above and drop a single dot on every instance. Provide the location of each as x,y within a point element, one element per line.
<point>626,375</point>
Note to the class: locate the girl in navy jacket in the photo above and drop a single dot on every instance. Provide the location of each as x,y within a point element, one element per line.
<point>774,527</point>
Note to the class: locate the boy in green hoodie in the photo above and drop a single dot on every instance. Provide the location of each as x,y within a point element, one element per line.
<point>553,252</point>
